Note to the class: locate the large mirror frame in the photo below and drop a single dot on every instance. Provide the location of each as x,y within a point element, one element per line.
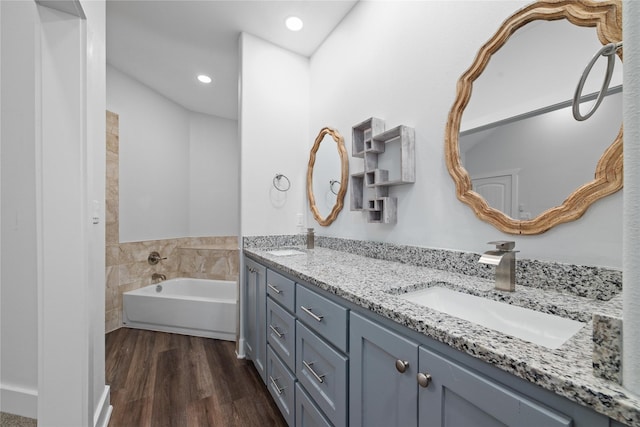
<point>344,176</point>
<point>606,16</point>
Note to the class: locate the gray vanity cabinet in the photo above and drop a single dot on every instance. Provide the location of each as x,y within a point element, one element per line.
<point>255,282</point>
<point>382,376</point>
<point>331,363</point>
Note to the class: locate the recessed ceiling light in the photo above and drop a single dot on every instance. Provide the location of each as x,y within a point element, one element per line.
<point>294,23</point>
<point>204,78</point>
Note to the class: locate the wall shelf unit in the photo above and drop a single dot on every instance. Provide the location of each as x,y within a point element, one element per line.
<point>383,168</point>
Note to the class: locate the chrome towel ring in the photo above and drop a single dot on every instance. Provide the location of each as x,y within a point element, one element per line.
<point>278,184</point>
<point>608,50</point>
<point>332,182</point>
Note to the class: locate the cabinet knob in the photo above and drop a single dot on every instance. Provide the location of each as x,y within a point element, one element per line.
<point>402,365</point>
<point>424,380</point>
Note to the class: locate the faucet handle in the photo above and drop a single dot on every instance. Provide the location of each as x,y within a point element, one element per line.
<point>503,245</point>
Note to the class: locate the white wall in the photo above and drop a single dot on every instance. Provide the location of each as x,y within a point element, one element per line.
<point>274,133</point>
<point>154,160</point>
<point>179,170</point>
<point>19,298</point>
<point>400,61</point>
<point>214,176</point>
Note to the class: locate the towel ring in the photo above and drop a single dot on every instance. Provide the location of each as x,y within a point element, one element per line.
<point>608,50</point>
<point>276,182</point>
<point>331,183</point>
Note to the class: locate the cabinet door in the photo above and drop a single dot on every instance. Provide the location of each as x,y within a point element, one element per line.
<point>255,314</point>
<point>381,395</point>
<point>457,396</point>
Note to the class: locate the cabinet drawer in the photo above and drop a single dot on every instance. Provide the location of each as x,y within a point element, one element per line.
<point>281,385</point>
<point>281,332</point>
<point>322,371</point>
<point>307,413</point>
<point>323,316</point>
<point>281,289</point>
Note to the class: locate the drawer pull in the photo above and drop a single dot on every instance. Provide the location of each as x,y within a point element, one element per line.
<point>276,331</point>
<point>402,365</point>
<point>311,313</point>
<point>320,378</point>
<point>274,381</point>
<point>274,289</point>
<point>424,380</point>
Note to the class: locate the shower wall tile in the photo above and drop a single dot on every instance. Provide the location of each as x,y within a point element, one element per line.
<point>112,252</point>
<point>113,320</point>
<point>112,195</point>
<point>205,263</point>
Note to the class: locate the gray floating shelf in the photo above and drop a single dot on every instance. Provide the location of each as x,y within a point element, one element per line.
<point>370,142</point>
<point>362,137</point>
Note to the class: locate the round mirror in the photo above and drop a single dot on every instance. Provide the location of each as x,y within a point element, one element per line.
<point>518,157</point>
<point>327,176</point>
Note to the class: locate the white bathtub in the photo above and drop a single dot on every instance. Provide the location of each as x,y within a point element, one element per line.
<point>204,308</point>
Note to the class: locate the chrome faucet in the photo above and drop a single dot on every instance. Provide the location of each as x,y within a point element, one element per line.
<point>504,258</point>
<point>157,278</point>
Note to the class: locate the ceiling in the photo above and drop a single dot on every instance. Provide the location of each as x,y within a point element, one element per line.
<point>166,44</point>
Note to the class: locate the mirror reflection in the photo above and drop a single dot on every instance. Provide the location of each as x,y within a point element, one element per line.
<point>526,166</point>
<point>327,176</point>
<point>518,157</point>
<point>535,154</point>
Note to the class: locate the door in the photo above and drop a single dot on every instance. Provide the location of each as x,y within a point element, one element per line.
<point>499,190</point>
<point>255,314</point>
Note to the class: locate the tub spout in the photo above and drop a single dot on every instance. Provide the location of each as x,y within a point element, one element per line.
<point>157,277</point>
<point>504,258</point>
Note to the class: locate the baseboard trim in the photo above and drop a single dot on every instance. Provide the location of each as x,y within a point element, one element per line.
<point>103,412</point>
<point>19,400</point>
<point>240,354</point>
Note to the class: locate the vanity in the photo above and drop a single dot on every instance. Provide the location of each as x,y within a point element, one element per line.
<point>339,346</point>
<point>342,334</point>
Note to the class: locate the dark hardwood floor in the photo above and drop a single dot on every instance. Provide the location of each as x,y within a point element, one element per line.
<point>168,380</point>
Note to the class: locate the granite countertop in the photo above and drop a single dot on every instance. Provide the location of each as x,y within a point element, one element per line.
<point>372,283</point>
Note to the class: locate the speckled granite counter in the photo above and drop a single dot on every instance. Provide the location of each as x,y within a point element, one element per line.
<point>371,283</point>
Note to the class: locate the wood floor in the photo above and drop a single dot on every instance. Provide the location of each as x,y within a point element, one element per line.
<point>168,380</point>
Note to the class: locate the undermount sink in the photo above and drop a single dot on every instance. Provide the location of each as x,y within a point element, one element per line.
<point>286,252</point>
<point>539,328</point>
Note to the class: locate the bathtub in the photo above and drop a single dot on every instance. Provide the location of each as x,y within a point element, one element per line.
<point>204,308</point>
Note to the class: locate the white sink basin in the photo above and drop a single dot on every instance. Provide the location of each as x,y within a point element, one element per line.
<point>286,252</point>
<point>539,328</point>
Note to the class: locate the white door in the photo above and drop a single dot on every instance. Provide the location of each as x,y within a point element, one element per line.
<point>497,191</point>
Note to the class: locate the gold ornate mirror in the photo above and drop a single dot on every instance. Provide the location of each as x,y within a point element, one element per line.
<point>330,163</point>
<point>580,16</point>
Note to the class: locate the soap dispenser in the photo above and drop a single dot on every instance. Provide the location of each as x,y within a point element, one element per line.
<point>310,238</point>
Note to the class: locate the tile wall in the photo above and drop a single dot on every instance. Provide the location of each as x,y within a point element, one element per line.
<point>127,267</point>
